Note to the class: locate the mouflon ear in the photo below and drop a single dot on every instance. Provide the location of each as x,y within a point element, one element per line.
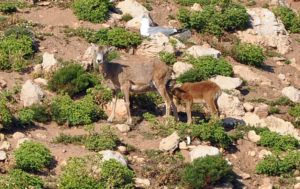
<point>110,49</point>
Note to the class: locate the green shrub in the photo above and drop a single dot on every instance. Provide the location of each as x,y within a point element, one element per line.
<point>295,111</point>
<point>147,6</point>
<point>274,110</point>
<point>205,67</point>
<point>127,17</point>
<point>147,101</point>
<point>232,17</point>
<point>106,140</point>
<point>168,58</point>
<point>201,2</point>
<point>10,7</point>
<point>83,111</point>
<point>92,10</point>
<point>206,171</point>
<point>22,180</point>
<point>284,101</point>
<point>100,94</point>
<point>32,156</point>
<point>112,175</point>
<point>277,141</point>
<point>87,33</point>
<point>289,18</point>
<point>248,54</point>
<point>40,113</point>
<point>25,116</point>
<point>275,165</point>
<point>72,79</point>
<point>121,38</point>
<point>266,6</point>
<point>6,117</point>
<point>113,55</point>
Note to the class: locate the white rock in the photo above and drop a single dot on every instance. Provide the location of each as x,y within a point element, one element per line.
<point>249,75</point>
<point>5,146</point>
<point>108,154</point>
<point>63,163</point>
<point>31,93</point>
<point>297,179</point>
<point>123,128</point>
<point>2,137</point>
<point>202,151</point>
<point>253,136</point>
<point>292,93</point>
<point>49,62</point>
<point>2,155</point>
<point>87,58</point>
<point>38,68</point>
<point>141,183</point>
<point>122,149</point>
<point>197,51</point>
<point>269,186</point>
<point>170,143</point>
<point>227,83</point>
<point>264,153</point>
<point>196,7</point>
<point>41,81</point>
<point>252,153</point>
<point>132,7</point>
<point>18,135</point>
<point>182,146</point>
<point>297,186</point>
<point>181,67</point>
<point>21,141</point>
<point>266,30</point>
<point>230,105</point>
<point>121,110</point>
<point>248,107</point>
<point>281,77</point>
<point>262,110</point>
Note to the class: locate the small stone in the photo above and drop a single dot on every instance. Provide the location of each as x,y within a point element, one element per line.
<point>2,155</point>
<point>263,153</point>
<point>281,77</point>
<point>124,134</point>
<point>245,176</point>
<point>21,141</point>
<point>63,163</point>
<point>141,183</point>
<point>105,25</point>
<point>123,128</point>
<point>297,179</point>
<point>64,150</point>
<point>196,7</point>
<point>122,149</point>
<point>39,135</point>
<point>5,146</point>
<point>135,157</point>
<point>262,110</point>
<point>288,74</point>
<point>234,156</point>
<point>169,143</point>
<point>3,83</point>
<point>297,172</point>
<point>253,136</point>
<point>248,107</point>
<point>41,81</point>
<point>169,8</point>
<point>182,146</point>
<point>252,153</point>
<point>254,183</point>
<point>38,69</point>
<point>18,135</point>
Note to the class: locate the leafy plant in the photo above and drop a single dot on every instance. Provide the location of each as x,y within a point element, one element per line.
<point>40,113</point>
<point>32,156</point>
<point>266,6</point>
<point>206,171</point>
<point>10,7</point>
<point>25,116</point>
<point>274,110</point>
<point>71,79</point>
<point>113,55</point>
<point>127,17</point>
<point>147,101</point>
<point>248,54</point>
<point>92,10</point>
<point>6,117</point>
<point>273,54</point>
<point>100,94</point>
<point>168,58</point>
<point>20,179</point>
<point>147,6</point>
<point>289,18</point>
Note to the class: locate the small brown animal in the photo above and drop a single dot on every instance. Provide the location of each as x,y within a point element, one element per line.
<point>202,92</point>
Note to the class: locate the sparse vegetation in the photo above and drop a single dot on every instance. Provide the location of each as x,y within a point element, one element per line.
<point>274,110</point>
<point>147,6</point>
<point>168,58</point>
<point>266,6</point>
<point>273,54</point>
<point>127,17</point>
<point>25,116</point>
<point>32,156</point>
<point>147,101</point>
<point>6,117</point>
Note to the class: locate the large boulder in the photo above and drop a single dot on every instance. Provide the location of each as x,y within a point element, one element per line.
<point>253,120</point>
<point>49,62</point>
<point>31,93</point>
<point>250,76</point>
<point>292,93</point>
<point>262,110</point>
<point>227,83</point>
<point>202,151</point>
<point>230,105</point>
<point>108,154</point>
<point>198,50</point>
<point>181,67</point>
<point>87,58</point>
<point>121,110</point>
<point>170,143</point>
<point>132,7</point>
<point>267,30</point>
<point>150,48</point>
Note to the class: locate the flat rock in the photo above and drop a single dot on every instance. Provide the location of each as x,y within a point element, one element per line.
<point>253,136</point>
<point>49,62</point>
<point>198,50</point>
<point>227,83</point>
<point>141,183</point>
<point>182,146</point>
<point>108,154</point>
<point>264,153</point>
<point>170,143</point>
<point>2,155</point>
<point>181,67</point>
<point>202,151</point>
<point>248,107</point>
<point>31,93</point>
<point>132,7</point>
<point>230,105</point>
<point>41,81</point>
<point>262,110</point>
<point>123,128</point>
<point>292,93</point>
<point>18,135</point>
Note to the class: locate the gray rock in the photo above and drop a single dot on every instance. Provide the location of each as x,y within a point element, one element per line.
<point>227,83</point>
<point>170,143</point>
<point>108,154</point>
<point>31,93</point>
<point>49,62</point>
<point>197,51</point>
<point>230,105</point>
<point>292,93</point>
<point>202,151</point>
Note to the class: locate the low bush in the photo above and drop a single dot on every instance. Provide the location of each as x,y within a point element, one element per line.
<point>127,17</point>
<point>32,156</point>
<point>83,111</point>
<point>72,79</point>
<point>258,130</point>
<point>275,165</point>
<point>283,101</point>
<point>86,33</point>
<point>277,141</point>
<point>273,54</point>
<point>295,111</point>
<point>40,113</point>
<point>106,140</point>
<point>248,54</point>
<point>206,171</point>
<point>231,17</point>
<point>92,10</point>
<point>20,179</point>
<point>147,101</point>
<point>25,116</point>
<point>6,117</point>
<point>205,67</point>
<point>289,18</point>
<point>168,58</point>
<point>112,175</point>
<point>274,110</point>
<point>10,7</point>
<point>100,94</point>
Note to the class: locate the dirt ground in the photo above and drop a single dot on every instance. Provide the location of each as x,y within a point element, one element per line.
<point>54,18</point>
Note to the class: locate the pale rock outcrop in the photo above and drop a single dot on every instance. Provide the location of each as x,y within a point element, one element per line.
<point>5,146</point>
<point>253,136</point>
<point>41,81</point>
<point>31,93</point>
<point>123,128</point>
<point>267,30</point>
<point>198,50</point>
<point>202,151</point>
<point>294,64</point>
<point>2,155</point>
<point>21,141</point>
<point>108,154</point>
<point>249,75</point>
<point>196,7</point>
<point>141,183</point>
<point>278,3</point>
<point>227,83</point>
<point>18,135</point>
<point>262,110</point>
<point>121,110</point>
<point>38,69</point>
<point>170,143</point>
<point>159,42</point>
<point>132,7</point>
<point>179,45</point>
<point>264,153</point>
<point>253,120</point>
<point>87,58</point>
<point>181,67</point>
<point>248,107</point>
<point>292,93</point>
<point>230,105</point>
<point>49,62</point>
<point>114,16</point>
<point>182,146</point>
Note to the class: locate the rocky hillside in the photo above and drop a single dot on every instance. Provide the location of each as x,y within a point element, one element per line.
<point>54,103</point>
